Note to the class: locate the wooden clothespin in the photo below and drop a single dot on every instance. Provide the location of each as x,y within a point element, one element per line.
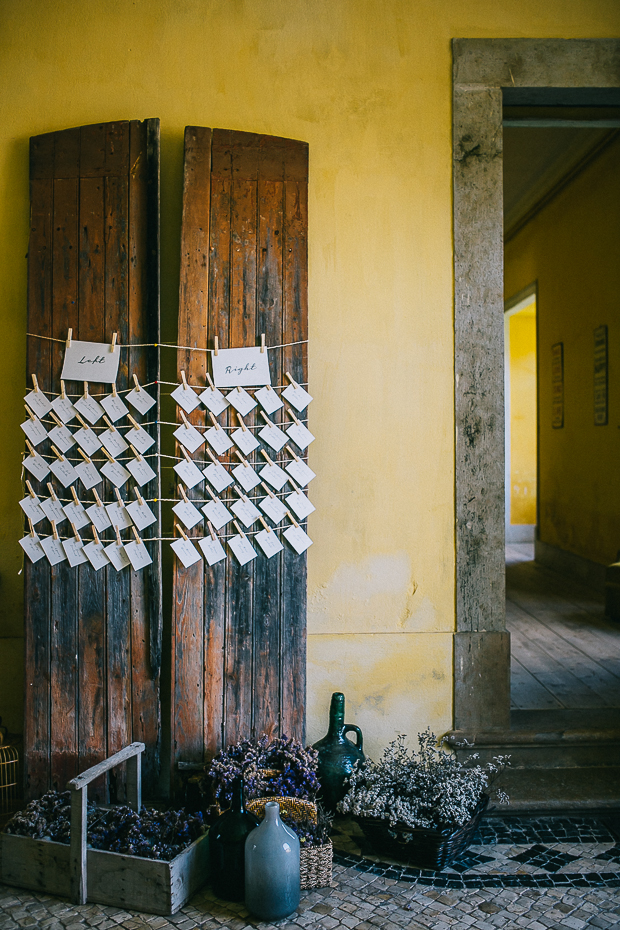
<point>77,536</point>
<point>32,532</point>
<point>63,395</point>
<point>31,448</point>
<point>178,527</point>
<point>292,518</point>
<point>214,496</point>
<point>295,488</point>
<point>86,389</point>
<point>55,418</point>
<point>139,497</point>
<point>241,423</point>
<point>114,394</point>
<point>35,384</point>
<point>135,452</point>
<point>210,380</point>
<point>214,421</point>
<point>96,535</point>
<point>243,461</point>
<point>113,344</point>
<point>76,499</point>
<point>290,452</point>
<point>54,530</point>
<point>266,456</point>
<point>185,387</point>
<point>292,416</point>
<point>133,422</point>
<point>216,346</point>
<point>98,500</point>
<point>268,490</point>
<point>30,491</point>
<point>58,454</point>
<point>110,424</point>
<point>262,343</point>
<point>292,380</point>
<point>185,420</point>
<point>108,456</point>
<point>135,533</point>
<point>213,457</point>
<point>240,493</point>
<point>239,388</point>
<point>266,418</point>
<point>31,414</point>
<point>69,338</point>
<point>50,488</point>
<point>88,460</point>
<point>185,453</point>
<point>264,522</point>
<point>183,494</point>
<point>212,531</point>
<point>82,422</point>
<point>136,382</point>
<point>239,530</point>
<point>121,502</point>
<point>119,541</point>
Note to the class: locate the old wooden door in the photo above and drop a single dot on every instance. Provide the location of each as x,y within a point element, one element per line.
<point>93,639</point>
<point>239,633</point>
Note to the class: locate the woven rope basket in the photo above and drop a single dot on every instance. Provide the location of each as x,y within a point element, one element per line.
<point>315,862</point>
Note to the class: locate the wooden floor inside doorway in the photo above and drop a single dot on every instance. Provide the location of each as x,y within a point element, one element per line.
<point>565,654</point>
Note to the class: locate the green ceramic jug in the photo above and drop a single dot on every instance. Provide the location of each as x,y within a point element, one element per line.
<point>337,754</point>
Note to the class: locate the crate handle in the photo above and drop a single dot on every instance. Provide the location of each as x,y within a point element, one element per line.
<point>79,801</point>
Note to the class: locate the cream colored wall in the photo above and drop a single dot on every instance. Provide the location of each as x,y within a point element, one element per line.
<point>368,84</point>
<point>572,249</point>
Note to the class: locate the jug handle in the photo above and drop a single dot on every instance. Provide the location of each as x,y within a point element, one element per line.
<point>351,728</point>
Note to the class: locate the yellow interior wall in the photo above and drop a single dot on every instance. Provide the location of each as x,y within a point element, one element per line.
<point>522,367</point>
<point>572,249</point>
<point>367,83</point>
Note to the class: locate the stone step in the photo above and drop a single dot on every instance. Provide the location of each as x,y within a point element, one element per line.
<point>563,748</point>
<point>561,789</point>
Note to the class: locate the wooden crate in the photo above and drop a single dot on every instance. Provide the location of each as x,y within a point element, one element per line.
<point>99,876</point>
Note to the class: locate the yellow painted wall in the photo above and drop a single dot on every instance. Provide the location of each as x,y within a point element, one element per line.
<point>572,248</point>
<point>522,367</point>
<point>368,84</point>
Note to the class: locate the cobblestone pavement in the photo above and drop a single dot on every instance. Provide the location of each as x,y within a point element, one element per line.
<point>353,901</point>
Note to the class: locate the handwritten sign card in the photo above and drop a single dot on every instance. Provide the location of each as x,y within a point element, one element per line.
<point>98,516</point>
<point>37,466</point>
<point>139,439</point>
<point>188,514</point>
<point>64,471</point>
<point>88,474</point>
<point>245,440</point>
<point>274,508</point>
<point>141,471</point>
<point>53,550</point>
<point>90,361</point>
<point>273,436</point>
<point>246,511</point>
<point>240,366</point>
<point>76,514</point>
<point>32,508</point>
<point>62,438</point>
<point>112,440</point>
<point>52,508</point>
<point>63,408</point>
<point>218,440</point>
<point>74,551</point>
<point>189,437</point>
<point>246,476</point>
<point>116,473</point>
<point>119,518</point>
<point>141,399</point>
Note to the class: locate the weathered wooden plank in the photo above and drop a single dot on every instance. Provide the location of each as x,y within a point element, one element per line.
<point>526,692</point>
<point>77,859</point>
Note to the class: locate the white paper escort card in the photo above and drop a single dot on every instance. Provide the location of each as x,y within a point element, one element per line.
<point>273,436</point>
<point>141,471</point>
<point>299,504</point>
<point>189,473</point>
<point>186,552</point>
<point>189,436</point>
<point>274,508</point>
<point>32,547</point>
<point>74,551</point>
<point>63,408</point>
<point>298,538</point>
<point>214,400</point>
<point>117,556</point>
<point>246,511</point>
<point>35,431</point>
<point>62,438</point>
<point>297,397</point>
<point>36,465</point>
<point>240,366</point>
<point>140,399</point>
<point>138,554</point>
<point>38,403</point>
<point>274,476</point>
<point>217,475</point>
<point>268,399</point>
<point>302,474</point>
<point>88,474</point>
<point>218,440</point>
<point>241,401</point>
<point>90,361</point>
<point>245,440</point>
<point>243,549</point>
<point>95,553</point>
<point>116,473</point>
<point>87,440</point>
<point>53,550</point>
<point>114,407</point>
<point>269,542</point>
<point>217,513</point>
<point>98,516</point>
<point>141,514</point>
<point>64,471</point>
<point>119,518</point>
<point>76,514</point>
<point>213,550</point>
<point>188,514</point>
<point>112,440</point>
<point>300,435</point>
<point>185,397</point>
<point>89,408</point>
<point>139,438</point>
<point>52,509</point>
<point>31,505</point>
<point>246,476</point>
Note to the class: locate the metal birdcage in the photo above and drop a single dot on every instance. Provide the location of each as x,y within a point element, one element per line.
<point>9,773</point>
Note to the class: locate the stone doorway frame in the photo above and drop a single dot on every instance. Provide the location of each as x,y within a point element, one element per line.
<point>487,73</point>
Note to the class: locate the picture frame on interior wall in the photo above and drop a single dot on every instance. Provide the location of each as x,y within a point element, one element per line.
<point>557,385</point>
<point>601,413</point>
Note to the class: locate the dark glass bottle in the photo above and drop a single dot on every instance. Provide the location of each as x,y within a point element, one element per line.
<point>227,839</point>
<point>337,754</point>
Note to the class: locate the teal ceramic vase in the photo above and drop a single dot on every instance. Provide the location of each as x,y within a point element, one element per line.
<point>337,754</point>
<point>227,839</point>
<point>272,887</point>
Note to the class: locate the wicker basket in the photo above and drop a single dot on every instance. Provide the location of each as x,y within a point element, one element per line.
<point>315,862</point>
<point>422,848</point>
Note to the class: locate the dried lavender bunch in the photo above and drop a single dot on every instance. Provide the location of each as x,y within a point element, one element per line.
<point>295,769</point>
<point>310,833</point>
<point>429,788</point>
<point>151,834</point>
<point>49,816</point>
